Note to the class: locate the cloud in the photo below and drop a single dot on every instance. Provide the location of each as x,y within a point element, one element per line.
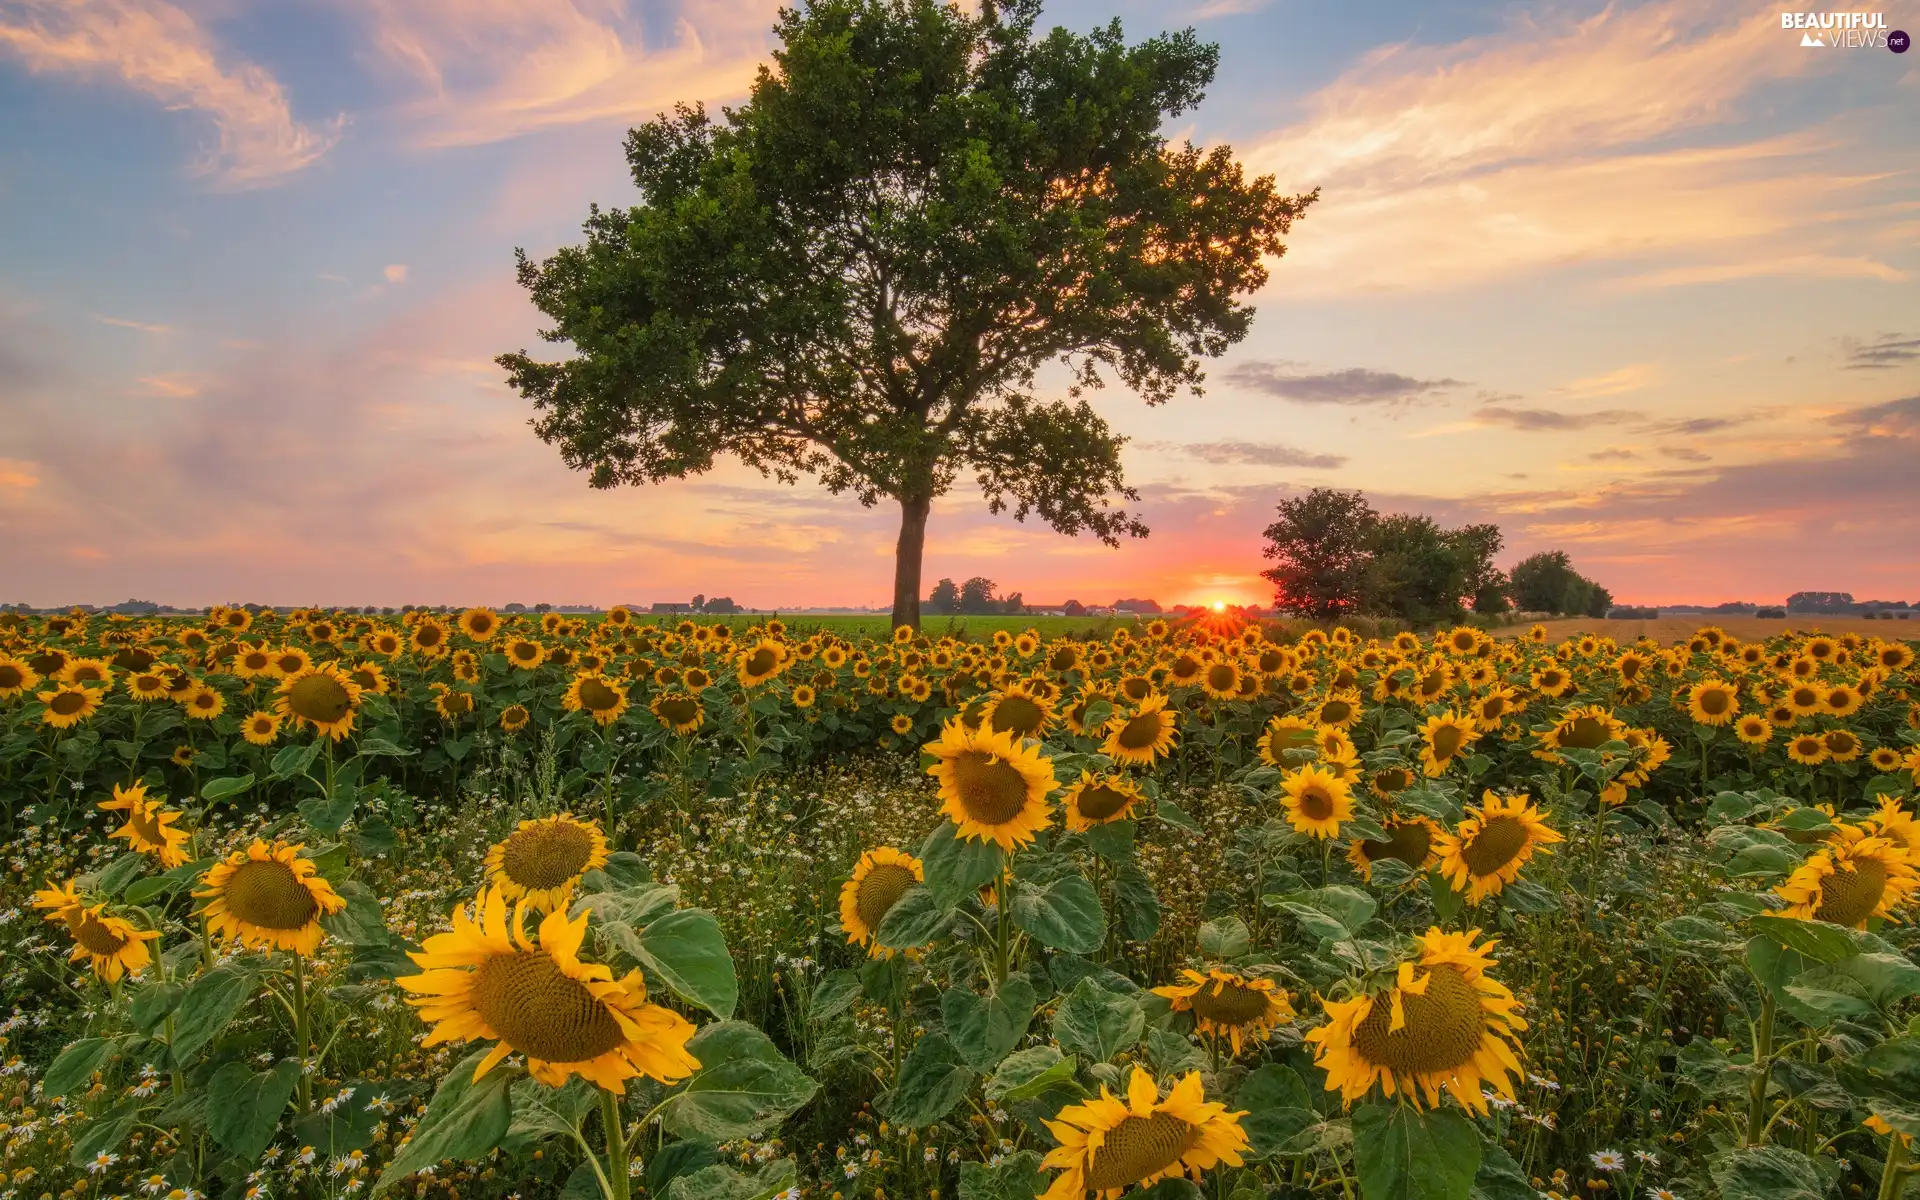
<point>1883,353</point>
<point>1353,386</point>
<point>485,70</point>
<point>161,51</point>
<point>1261,454</point>
<point>126,324</point>
<point>17,474</point>
<point>1685,454</point>
<point>1543,420</point>
<point>395,272</point>
<point>1611,383</point>
<point>1894,419</point>
<point>1613,454</point>
<point>1567,138</point>
<point>174,386</point>
<point>1695,426</point>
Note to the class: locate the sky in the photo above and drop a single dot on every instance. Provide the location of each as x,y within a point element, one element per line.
<point>1636,281</point>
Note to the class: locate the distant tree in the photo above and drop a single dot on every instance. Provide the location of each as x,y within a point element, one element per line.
<point>1492,596</point>
<point>699,602</point>
<point>1547,582</point>
<point>1820,602</point>
<point>945,599</point>
<point>722,606</point>
<point>857,273</point>
<point>514,608</point>
<point>1131,605</point>
<point>1321,546</point>
<point>976,596</point>
<point>543,607</point>
<point>1414,570</point>
<point>1073,608</point>
<point>1014,605</point>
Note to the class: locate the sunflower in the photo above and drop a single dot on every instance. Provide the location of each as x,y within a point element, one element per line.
<point>597,696</point>
<point>16,677</point>
<point>450,702</point>
<point>68,705</point>
<point>146,687</point>
<point>1445,736</point>
<point>762,661</point>
<point>1897,825</point>
<point>202,703</point>
<point>1388,782</point>
<point>430,637</point>
<point>1886,758</point>
<point>1100,800</point>
<point>111,945</point>
<point>1137,739</point>
<point>880,878</point>
<point>1342,710</point>
<point>1410,839</point>
<point>1108,1146</point>
<point>1552,681</point>
<point>1753,729</point>
<point>88,672</point>
<point>321,697</point>
<point>1491,710</point>
<point>480,624</point>
<point>1583,727</point>
<point>149,828</point>
<point>1490,845</point>
<point>183,756</point>
<point>1444,1024</point>
<point>1220,680</point>
<point>681,713</point>
<point>261,728</point>
<point>542,861</point>
<point>1242,1007</point>
<point>525,653</point>
<point>1857,875</point>
<point>1019,711</point>
<point>268,896</point>
<point>1843,745</point>
<point>485,979</point>
<point>1317,801</point>
<point>1711,702</point>
<point>1282,735</point>
<point>1808,749</point>
<point>514,718</point>
<point>992,786</point>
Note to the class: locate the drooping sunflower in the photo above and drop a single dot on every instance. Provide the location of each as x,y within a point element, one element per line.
<point>1138,738</point>
<point>1444,1024</point>
<point>16,677</point>
<point>268,896</point>
<point>1443,738</point>
<point>1242,1008</point>
<point>261,728</point>
<point>1018,710</point>
<point>485,979</point>
<point>1100,800</point>
<point>1108,1145</point>
<point>111,945</point>
<point>1317,801</point>
<point>879,879</point>
<point>320,698</point>
<point>1492,842</point>
<point>1411,839</point>
<point>1713,702</point>
<point>596,695</point>
<point>993,786</point>
<point>149,828</point>
<point>1855,876</point>
<point>542,861</point>
<point>68,705</point>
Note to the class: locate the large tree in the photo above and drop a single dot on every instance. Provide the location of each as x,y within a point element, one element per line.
<point>857,274</point>
<point>1322,545</point>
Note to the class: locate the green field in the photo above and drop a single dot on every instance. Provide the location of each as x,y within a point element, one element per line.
<point>878,624</point>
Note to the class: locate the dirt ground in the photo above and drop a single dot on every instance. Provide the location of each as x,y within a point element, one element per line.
<point>1666,630</point>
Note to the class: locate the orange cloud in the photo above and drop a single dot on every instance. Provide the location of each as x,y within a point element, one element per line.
<point>17,474</point>
<point>156,48</point>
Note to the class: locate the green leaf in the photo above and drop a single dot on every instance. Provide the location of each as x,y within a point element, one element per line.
<point>957,867</point>
<point>73,1070</point>
<point>213,1000</point>
<point>1767,1173</point>
<point>1173,814</point>
<point>743,1088</point>
<point>985,1028</point>
<point>722,1182</point>
<point>464,1121</point>
<point>1816,940</point>
<point>378,747</point>
<point>1025,1074</point>
<point>932,1081</point>
<point>1098,1023</point>
<point>1886,978</point>
<point>153,1002</point>
<point>1139,907</point>
<point>1225,937</point>
<point>328,813</point>
<point>1173,1054</point>
<point>294,759</point>
<point>1063,915</point>
<point>1277,1105</point>
<point>219,789</point>
<point>349,1124</point>
<point>634,905</point>
<point>360,923</point>
<point>1902,1117</point>
<point>1112,841</point>
<point>119,873</point>
<point>687,949</point>
<point>1015,1177</point>
<point>104,1133</point>
<point>834,994</point>
<point>150,888</point>
<point>674,1159</point>
<point>1330,912</point>
<point>913,920</point>
<point>541,1112</point>
<point>1499,1177</point>
<point>243,1107</point>
<point>1402,1154</point>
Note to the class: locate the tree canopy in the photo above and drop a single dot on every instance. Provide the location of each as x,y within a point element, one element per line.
<point>858,274</point>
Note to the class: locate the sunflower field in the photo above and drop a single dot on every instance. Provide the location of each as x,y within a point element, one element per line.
<point>491,906</point>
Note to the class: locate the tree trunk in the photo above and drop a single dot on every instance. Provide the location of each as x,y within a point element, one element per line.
<point>906,561</point>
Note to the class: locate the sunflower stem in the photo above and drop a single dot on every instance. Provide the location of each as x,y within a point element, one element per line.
<point>1894,1174</point>
<point>1000,934</point>
<point>300,1032</point>
<point>619,1185</point>
<point>1762,1070</point>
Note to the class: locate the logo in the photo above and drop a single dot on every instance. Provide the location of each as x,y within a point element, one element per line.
<point>1850,30</point>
